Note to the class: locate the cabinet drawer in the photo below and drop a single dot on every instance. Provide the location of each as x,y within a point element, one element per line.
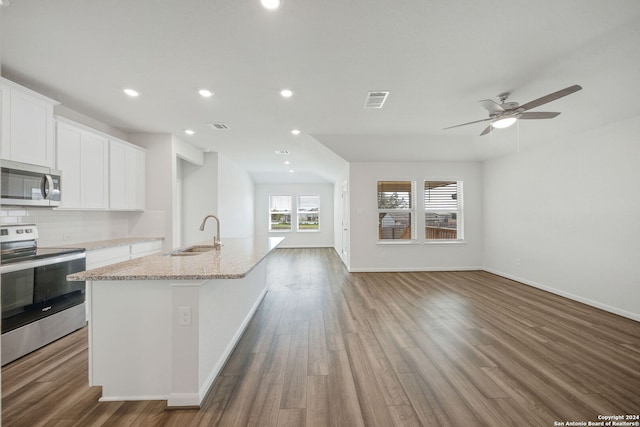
<point>146,248</point>
<point>101,257</point>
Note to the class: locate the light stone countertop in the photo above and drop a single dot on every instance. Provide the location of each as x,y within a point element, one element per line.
<point>234,260</point>
<point>109,243</point>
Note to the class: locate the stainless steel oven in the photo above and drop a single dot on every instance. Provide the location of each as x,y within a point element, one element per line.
<point>39,305</point>
<point>29,185</point>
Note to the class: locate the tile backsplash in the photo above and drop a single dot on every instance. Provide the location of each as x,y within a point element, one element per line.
<point>64,227</point>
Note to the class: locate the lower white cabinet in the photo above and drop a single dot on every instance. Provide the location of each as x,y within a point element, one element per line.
<point>97,258</point>
<point>83,159</point>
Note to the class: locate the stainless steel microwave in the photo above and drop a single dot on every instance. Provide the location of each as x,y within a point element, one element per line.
<point>29,185</point>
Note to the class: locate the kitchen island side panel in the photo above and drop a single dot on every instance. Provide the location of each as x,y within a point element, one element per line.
<point>130,339</point>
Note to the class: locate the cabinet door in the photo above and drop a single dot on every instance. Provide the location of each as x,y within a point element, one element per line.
<point>94,166</point>
<point>29,128</point>
<point>69,143</point>
<point>126,176</point>
<point>117,175</point>
<point>136,179</point>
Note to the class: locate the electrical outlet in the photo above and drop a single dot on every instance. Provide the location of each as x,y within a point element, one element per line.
<point>184,316</point>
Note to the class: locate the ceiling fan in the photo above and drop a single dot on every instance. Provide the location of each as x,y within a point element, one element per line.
<point>503,114</point>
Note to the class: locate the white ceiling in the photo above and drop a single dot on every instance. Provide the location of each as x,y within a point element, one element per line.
<point>438,58</point>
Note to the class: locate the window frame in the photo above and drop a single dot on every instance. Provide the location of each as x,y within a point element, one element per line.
<point>411,210</point>
<point>285,212</point>
<point>459,211</point>
<point>298,212</point>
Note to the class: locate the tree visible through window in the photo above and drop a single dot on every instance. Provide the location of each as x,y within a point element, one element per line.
<point>395,210</point>
<point>280,213</point>
<point>443,212</point>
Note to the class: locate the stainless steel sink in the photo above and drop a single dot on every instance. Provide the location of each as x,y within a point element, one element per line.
<point>198,249</point>
<point>193,250</point>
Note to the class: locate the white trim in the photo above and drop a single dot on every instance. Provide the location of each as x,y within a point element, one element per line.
<point>411,269</point>
<point>304,246</point>
<point>187,400</point>
<point>136,397</point>
<point>596,304</point>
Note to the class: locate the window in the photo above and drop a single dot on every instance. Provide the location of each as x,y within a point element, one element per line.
<point>308,213</point>
<point>279,213</point>
<point>443,210</point>
<point>396,210</point>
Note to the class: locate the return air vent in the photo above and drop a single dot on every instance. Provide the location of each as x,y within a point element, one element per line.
<point>282,151</point>
<point>219,126</point>
<point>376,99</point>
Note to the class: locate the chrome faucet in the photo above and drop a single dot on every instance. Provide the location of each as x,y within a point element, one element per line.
<point>216,238</point>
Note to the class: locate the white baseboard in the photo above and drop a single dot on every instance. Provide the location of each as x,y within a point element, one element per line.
<point>409,269</point>
<point>189,400</point>
<point>136,397</point>
<point>578,298</point>
<point>281,246</point>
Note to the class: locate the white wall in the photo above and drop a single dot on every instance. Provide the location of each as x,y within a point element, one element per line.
<point>235,199</point>
<point>565,217</point>
<point>199,199</point>
<point>369,255</point>
<point>293,238</point>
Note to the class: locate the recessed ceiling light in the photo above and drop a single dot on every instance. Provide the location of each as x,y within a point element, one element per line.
<point>205,93</point>
<point>189,131</point>
<point>287,162</point>
<point>290,170</point>
<point>286,93</point>
<point>271,4</point>
<point>132,93</point>
<point>295,131</point>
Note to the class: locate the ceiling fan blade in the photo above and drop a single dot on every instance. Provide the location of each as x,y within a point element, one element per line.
<point>487,130</point>
<point>551,97</point>
<point>534,115</point>
<point>491,106</point>
<point>469,123</point>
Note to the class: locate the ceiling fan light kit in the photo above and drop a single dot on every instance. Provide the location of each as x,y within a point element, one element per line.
<point>504,114</point>
<point>504,122</point>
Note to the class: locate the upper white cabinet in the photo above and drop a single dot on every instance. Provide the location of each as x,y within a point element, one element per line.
<point>126,176</point>
<point>27,125</point>
<point>83,158</point>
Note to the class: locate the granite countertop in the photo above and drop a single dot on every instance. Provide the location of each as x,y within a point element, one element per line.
<point>110,243</point>
<point>234,260</point>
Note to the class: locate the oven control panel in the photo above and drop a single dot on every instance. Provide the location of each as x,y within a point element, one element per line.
<point>18,232</point>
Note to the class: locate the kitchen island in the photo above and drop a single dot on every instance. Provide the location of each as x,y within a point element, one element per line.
<point>161,327</point>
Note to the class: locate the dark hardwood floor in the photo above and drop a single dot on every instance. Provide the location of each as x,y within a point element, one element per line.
<point>329,348</point>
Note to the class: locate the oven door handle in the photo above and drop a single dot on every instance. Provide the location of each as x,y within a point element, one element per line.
<point>25,265</point>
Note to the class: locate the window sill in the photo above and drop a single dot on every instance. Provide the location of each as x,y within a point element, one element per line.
<point>397,242</point>
<point>308,231</point>
<point>279,231</point>
<point>444,242</point>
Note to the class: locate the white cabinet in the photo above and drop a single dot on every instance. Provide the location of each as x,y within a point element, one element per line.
<point>126,176</point>
<point>83,160</point>
<point>102,257</point>
<point>106,256</point>
<point>146,248</point>
<point>27,125</point>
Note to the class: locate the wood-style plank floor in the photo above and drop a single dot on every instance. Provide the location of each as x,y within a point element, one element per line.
<point>329,348</point>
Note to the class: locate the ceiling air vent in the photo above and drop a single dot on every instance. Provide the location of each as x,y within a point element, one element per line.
<point>282,151</point>
<point>376,99</point>
<point>219,126</point>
